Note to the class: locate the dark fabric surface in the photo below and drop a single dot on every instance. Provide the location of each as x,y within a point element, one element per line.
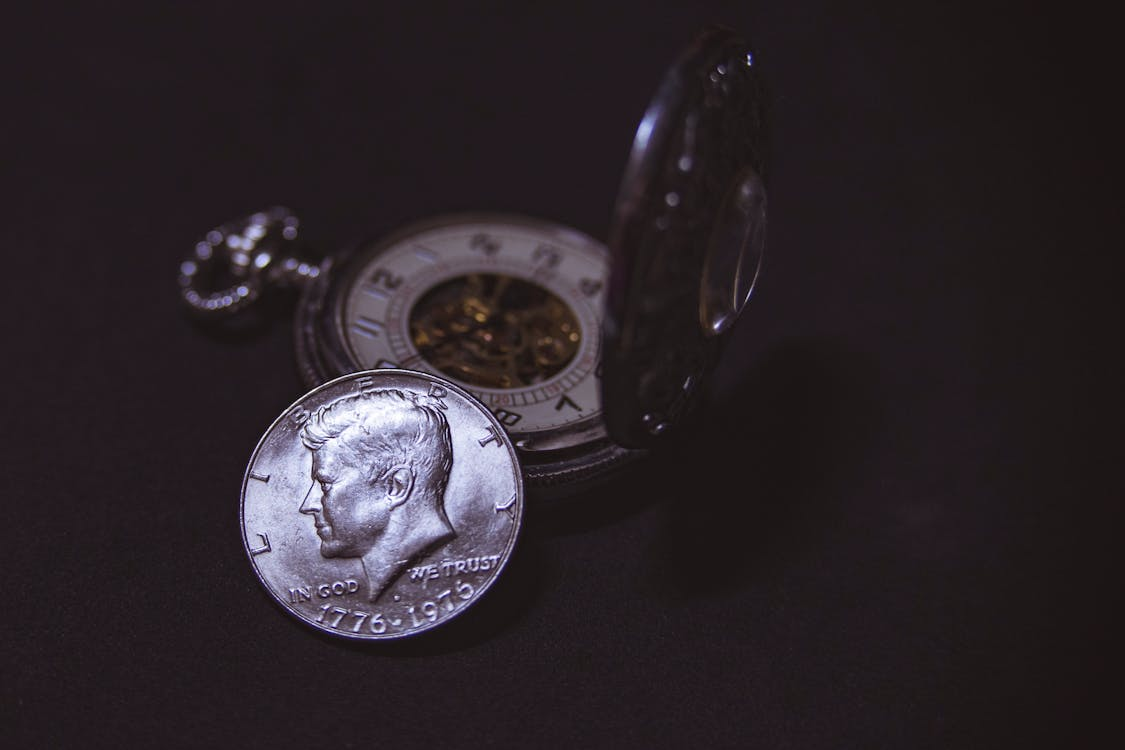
<point>897,525</point>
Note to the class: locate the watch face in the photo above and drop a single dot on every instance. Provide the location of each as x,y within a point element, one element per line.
<point>508,308</point>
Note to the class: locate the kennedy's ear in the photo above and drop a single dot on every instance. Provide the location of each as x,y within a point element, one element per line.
<point>400,481</point>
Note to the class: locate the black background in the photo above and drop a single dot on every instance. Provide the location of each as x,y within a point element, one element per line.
<point>898,528</point>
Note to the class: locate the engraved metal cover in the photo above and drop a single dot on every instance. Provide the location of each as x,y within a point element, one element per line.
<point>687,237</point>
<point>381,504</point>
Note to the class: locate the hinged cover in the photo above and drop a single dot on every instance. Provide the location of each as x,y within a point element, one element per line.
<point>687,236</point>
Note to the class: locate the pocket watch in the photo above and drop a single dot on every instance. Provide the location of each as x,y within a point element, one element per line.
<point>587,353</point>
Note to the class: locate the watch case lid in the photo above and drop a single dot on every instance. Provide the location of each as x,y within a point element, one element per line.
<point>687,236</point>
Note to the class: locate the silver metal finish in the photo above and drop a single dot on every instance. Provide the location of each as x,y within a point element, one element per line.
<point>381,504</point>
<point>235,263</point>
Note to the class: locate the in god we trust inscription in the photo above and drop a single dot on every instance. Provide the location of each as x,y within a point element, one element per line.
<point>381,504</point>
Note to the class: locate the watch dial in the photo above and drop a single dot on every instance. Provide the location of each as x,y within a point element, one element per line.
<point>509,309</point>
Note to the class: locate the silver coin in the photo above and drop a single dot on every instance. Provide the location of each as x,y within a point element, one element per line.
<point>381,504</point>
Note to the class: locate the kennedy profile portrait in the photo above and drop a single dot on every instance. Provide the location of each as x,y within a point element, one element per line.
<point>380,465</point>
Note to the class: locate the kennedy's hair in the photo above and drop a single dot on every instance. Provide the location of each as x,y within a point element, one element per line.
<point>380,429</point>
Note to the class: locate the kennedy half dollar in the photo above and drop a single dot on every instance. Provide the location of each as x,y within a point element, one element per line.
<point>381,504</point>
